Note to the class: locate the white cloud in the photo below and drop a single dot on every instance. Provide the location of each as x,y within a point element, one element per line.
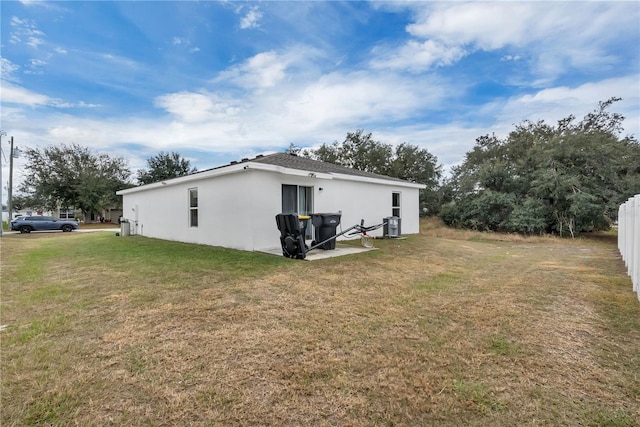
<point>489,25</point>
<point>177,41</point>
<point>76,133</point>
<point>555,103</point>
<point>189,107</point>
<point>263,70</point>
<point>79,104</point>
<point>359,97</point>
<point>18,95</point>
<point>26,30</point>
<point>185,42</point>
<point>12,94</point>
<point>34,63</point>
<point>34,42</point>
<point>197,107</point>
<point>41,3</point>
<point>558,36</point>
<point>417,56</point>
<point>120,62</point>
<point>448,142</point>
<point>514,58</point>
<point>251,19</point>
<point>7,69</point>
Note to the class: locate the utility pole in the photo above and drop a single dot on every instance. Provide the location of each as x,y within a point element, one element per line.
<point>9,205</point>
<point>2,133</point>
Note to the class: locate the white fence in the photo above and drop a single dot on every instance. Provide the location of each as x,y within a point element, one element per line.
<point>629,238</point>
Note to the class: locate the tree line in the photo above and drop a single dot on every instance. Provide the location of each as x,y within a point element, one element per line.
<point>72,176</point>
<point>565,178</point>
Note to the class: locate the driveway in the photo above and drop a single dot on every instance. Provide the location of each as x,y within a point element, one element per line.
<point>79,230</point>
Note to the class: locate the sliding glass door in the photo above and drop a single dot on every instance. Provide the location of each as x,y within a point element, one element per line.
<point>298,199</point>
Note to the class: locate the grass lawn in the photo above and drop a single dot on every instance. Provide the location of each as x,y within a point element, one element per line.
<point>444,328</point>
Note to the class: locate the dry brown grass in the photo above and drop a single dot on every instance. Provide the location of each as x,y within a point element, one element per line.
<point>445,328</point>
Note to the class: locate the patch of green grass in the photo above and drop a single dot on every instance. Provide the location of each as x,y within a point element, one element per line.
<point>36,329</point>
<point>440,281</point>
<point>166,257</point>
<point>319,375</point>
<point>479,394</point>
<point>503,346</point>
<point>609,418</point>
<point>46,292</point>
<point>612,301</point>
<point>214,398</point>
<point>136,360</point>
<point>51,408</point>
<point>33,265</point>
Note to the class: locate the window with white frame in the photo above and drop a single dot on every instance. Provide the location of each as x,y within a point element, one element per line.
<point>67,213</point>
<point>193,207</point>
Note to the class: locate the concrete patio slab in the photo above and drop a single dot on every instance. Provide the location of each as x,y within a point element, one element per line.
<point>318,254</point>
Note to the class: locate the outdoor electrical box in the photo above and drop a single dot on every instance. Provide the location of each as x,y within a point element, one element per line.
<point>125,228</point>
<point>391,226</point>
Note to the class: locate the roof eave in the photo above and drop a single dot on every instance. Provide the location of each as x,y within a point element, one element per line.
<point>188,178</point>
<point>378,181</point>
<point>240,167</point>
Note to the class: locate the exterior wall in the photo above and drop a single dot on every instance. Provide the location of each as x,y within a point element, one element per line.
<point>238,210</point>
<point>368,201</point>
<point>224,212</point>
<point>112,215</point>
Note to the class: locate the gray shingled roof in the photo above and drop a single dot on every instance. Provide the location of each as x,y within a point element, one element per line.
<point>292,161</point>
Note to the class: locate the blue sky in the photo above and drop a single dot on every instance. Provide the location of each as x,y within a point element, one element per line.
<point>219,81</point>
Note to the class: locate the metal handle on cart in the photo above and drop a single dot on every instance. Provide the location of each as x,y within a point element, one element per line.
<point>360,228</point>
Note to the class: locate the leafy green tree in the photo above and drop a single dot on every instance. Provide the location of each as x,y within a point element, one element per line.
<point>164,166</point>
<point>527,217</point>
<point>416,164</point>
<point>564,179</point>
<point>360,151</point>
<point>26,201</point>
<point>73,176</point>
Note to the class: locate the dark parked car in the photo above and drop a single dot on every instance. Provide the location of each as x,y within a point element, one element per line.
<point>27,224</point>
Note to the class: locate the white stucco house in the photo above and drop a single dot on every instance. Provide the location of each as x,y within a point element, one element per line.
<point>235,205</point>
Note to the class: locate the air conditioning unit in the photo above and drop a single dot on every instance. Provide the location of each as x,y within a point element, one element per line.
<point>391,226</point>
